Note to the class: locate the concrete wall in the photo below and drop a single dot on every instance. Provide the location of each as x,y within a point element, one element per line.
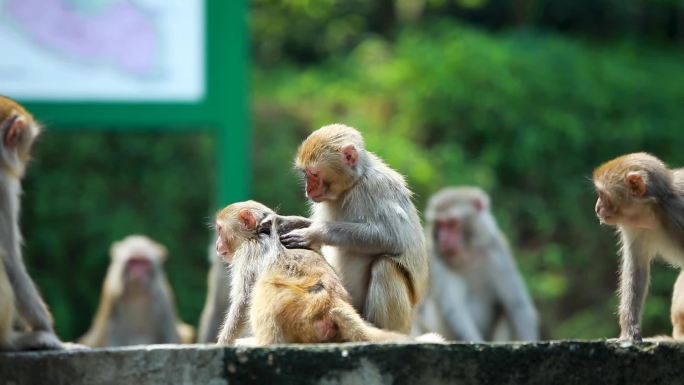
<point>548,363</point>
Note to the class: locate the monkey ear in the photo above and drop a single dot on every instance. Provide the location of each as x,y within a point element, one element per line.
<point>247,219</point>
<point>478,204</point>
<point>163,253</point>
<point>636,184</point>
<point>13,131</point>
<point>113,248</point>
<point>349,155</point>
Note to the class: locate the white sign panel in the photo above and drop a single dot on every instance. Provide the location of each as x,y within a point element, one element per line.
<point>103,50</point>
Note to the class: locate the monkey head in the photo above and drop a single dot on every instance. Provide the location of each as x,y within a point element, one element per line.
<point>238,223</point>
<point>453,215</point>
<point>628,188</point>
<point>136,262</point>
<point>331,161</point>
<point>18,130</point>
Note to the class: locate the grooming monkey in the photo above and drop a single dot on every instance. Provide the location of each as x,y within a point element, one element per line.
<point>136,305</point>
<point>218,299</point>
<point>644,199</point>
<point>364,216</point>
<point>20,302</point>
<point>476,292</point>
<point>292,296</point>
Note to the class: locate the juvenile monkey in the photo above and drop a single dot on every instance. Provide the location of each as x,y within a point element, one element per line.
<point>476,292</point>
<point>677,308</point>
<point>644,199</point>
<point>136,305</point>
<point>218,299</point>
<point>19,298</point>
<point>292,296</point>
<point>364,216</point>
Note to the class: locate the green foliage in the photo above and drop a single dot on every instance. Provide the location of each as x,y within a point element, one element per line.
<point>524,115</point>
<point>85,190</point>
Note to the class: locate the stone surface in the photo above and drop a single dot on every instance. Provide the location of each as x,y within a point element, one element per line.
<point>552,363</point>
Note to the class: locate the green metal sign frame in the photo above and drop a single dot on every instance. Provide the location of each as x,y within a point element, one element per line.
<point>223,110</point>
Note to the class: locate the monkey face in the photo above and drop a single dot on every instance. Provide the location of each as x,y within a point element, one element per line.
<point>18,131</point>
<point>605,211</point>
<point>237,223</point>
<point>139,269</point>
<point>136,261</point>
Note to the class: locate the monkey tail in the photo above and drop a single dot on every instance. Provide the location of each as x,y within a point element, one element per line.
<point>352,328</point>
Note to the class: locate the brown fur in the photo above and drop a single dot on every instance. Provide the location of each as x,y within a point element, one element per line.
<point>293,296</point>
<point>645,201</point>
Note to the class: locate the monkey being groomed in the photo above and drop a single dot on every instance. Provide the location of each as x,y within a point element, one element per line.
<point>287,296</point>
<point>136,305</point>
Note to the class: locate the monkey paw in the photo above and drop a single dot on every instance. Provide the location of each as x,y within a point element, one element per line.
<point>297,239</point>
<point>38,340</point>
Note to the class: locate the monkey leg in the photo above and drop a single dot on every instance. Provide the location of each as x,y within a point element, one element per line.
<point>37,340</point>
<point>352,328</point>
<point>388,302</point>
<point>677,309</point>
<point>6,309</point>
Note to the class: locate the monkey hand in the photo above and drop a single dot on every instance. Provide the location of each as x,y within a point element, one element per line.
<point>306,238</point>
<point>289,223</point>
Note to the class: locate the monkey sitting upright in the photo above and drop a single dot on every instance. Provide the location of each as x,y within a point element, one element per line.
<point>136,305</point>
<point>292,296</point>
<point>476,292</point>
<point>20,302</point>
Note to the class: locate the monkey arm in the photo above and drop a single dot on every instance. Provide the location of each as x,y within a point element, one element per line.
<point>236,320</point>
<point>633,287</point>
<point>359,237</point>
<point>449,292</point>
<point>458,318</point>
<point>28,301</point>
<point>287,223</point>
<point>512,292</point>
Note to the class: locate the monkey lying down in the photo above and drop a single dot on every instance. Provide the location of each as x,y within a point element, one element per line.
<point>292,296</point>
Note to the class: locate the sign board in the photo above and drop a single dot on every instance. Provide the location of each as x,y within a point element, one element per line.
<point>134,65</point>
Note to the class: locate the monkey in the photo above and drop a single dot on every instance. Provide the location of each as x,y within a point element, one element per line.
<point>644,199</point>
<point>677,308</point>
<point>218,299</point>
<point>476,292</point>
<point>365,224</point>
<point>136,304</point>
<point>287,296</point>
<point>20,301</point>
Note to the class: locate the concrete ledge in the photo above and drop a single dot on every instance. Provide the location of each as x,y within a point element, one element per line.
<point>547,363</point>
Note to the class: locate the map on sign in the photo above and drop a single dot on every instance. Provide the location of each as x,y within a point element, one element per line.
<point>105,50</point>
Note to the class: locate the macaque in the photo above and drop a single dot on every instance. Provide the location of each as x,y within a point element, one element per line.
<point>287,296</point>
<point>644,199</point>
<point>677,309</point>
<point>136,304</point>
<point>218,299</point>
<point>25,322</point>
<point>476,292</point>
<point>365,224</point>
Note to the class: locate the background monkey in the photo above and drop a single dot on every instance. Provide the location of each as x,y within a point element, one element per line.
<point>18,294</point>
<point>476,292</point>
<point>644,199</point>
<point>292,296</point>
<point>218,299</point>
<point>136,305</point>
<point>363,214</point>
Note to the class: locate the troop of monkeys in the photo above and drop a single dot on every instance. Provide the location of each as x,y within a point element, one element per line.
<point>355,270</point>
